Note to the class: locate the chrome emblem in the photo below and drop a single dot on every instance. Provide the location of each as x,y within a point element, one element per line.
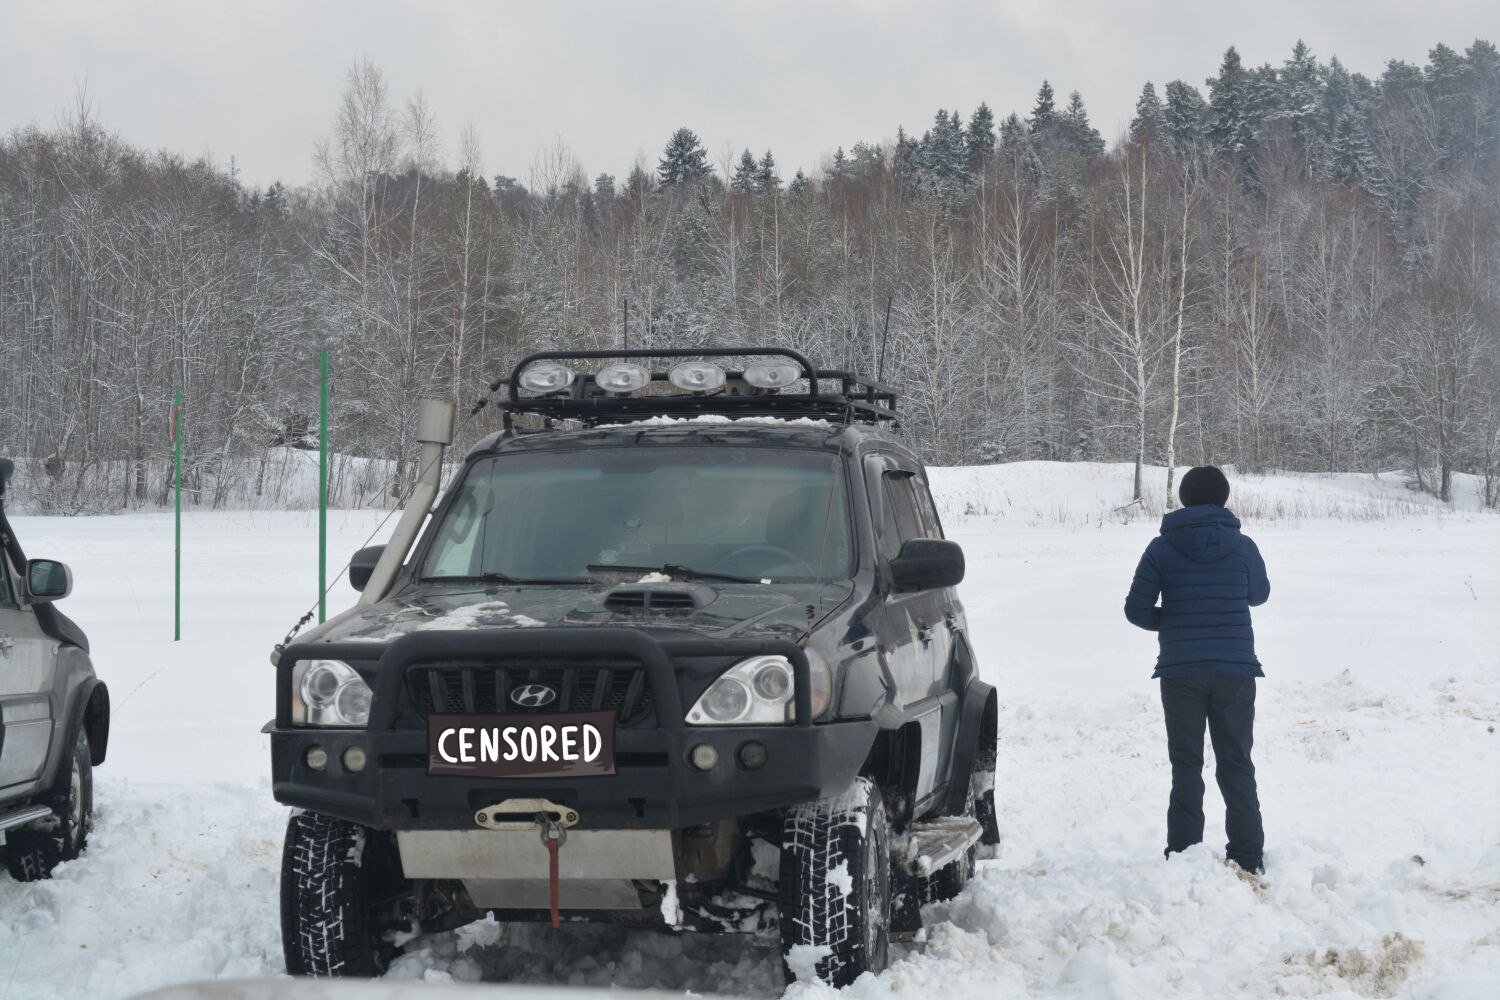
<point>533,696</point>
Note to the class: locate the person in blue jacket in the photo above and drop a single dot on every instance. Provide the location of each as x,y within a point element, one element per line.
<point>1208,575</point>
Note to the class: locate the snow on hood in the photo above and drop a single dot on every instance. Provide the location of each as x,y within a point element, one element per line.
<point>738,609</point>
<point>1205,533</point>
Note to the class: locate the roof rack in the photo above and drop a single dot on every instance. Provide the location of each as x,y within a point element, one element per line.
<point>819,393</point>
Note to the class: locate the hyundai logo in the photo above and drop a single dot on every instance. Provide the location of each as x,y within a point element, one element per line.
<point>533,696</point>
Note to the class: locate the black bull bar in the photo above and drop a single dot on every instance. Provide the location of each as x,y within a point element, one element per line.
<point>655,786</point>
<point>485,645</point>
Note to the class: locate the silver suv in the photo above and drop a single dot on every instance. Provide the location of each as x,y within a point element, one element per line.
<point>54,713</point>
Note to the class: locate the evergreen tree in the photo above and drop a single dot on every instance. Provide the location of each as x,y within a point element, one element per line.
<point>1082,136</point>
<point>1300,102</point>
<point>840,164</point>
<point>637,182</point>
<point>1044,114</point>
<point>1337,116</point>
<point>980,137</point>
<point>766,178</point>
<point>1229,127</point>
<point>1012,134</point>
<point>1265,101</point>
<point>604,188</point>
<point>942,155</point>
<point>905,157</point>
<point>800,186</point>
<point>1348,148</point>
<point>1447,77</point>
<point>684,161</point>
<point>1400,78</point>
<point>869,159</point>
<point>1185,116</point>
<point>746,174</point>
<point>1150,119</point>
<point>1484,85</point>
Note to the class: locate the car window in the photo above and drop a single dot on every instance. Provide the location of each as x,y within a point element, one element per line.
<point>760,513</point>
<point>899,514</point>
<point>926,509</point>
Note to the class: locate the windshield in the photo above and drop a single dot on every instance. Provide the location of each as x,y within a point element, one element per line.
<point>754,513</point>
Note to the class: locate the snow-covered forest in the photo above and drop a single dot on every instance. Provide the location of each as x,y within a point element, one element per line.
<point>1292,266</point>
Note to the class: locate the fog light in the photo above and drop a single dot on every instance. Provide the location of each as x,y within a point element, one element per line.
<point>317,757</point>
<point>354,760</point>
<point>753,755</point>
<point>704,757</point>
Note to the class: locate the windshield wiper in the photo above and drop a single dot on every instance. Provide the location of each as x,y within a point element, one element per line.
<point>672,569</point>
<point>507,579</point>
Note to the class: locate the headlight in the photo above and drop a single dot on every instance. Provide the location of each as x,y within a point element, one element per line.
<point>760,691</point>
<point>329,693</point>
<point>546,376</point>
<point>772,374</point>
<point>696,376</point>
<point>622,377</point>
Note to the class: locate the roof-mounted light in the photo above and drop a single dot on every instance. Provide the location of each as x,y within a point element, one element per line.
<point>696,376</point>
<point>622,377</point>
<point>772,374</point>
<point>546,377</point>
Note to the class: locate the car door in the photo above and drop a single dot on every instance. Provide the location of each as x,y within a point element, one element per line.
<point>26,658</point>
<point>913,634</point>
<point>945,626</point>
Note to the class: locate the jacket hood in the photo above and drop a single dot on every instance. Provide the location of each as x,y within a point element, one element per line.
<point>735,610</point>
<point>1204,533</point>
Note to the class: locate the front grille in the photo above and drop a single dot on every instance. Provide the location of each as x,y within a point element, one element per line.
<point>583,686</point>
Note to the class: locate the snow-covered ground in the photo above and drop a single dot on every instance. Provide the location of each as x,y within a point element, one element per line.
<point>1377,753</point>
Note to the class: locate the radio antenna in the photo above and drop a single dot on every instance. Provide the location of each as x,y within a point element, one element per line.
<point>884,336</point>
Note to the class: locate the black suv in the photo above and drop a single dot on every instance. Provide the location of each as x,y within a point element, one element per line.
<point>687,654</point>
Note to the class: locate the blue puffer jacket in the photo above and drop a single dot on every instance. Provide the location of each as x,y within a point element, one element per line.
<point>1208,576</point>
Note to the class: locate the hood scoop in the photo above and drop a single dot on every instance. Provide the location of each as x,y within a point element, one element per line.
<point>627,598</point>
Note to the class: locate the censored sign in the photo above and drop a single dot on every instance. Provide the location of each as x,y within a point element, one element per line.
<point>565,745</point>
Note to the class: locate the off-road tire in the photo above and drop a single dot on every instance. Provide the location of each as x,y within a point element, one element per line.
<point>336,884</point>
<point>846,837</point>
<point>984,803</point>
<point>34,850</point>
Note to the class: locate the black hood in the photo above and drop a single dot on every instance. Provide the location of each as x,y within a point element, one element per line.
<point>1203,533</point>
<point>732,610</point>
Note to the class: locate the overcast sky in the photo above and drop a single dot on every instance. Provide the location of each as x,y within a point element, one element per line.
<point>257,80</point>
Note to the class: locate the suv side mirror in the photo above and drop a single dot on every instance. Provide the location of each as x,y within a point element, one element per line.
<point>362,565</point>
<point>47,580</point>
<point>928,564</point>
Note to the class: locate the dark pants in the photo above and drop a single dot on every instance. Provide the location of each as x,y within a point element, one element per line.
<point>1227,704</point>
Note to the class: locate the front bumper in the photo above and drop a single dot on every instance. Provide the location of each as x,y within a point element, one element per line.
<point>655,786</point>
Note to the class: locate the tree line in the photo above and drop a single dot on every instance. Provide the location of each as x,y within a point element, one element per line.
<point>1294,266</point>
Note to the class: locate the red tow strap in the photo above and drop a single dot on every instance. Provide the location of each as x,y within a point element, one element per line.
<point>552,845</point>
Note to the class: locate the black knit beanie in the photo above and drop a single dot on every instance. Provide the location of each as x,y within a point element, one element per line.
<point>1204,484</point>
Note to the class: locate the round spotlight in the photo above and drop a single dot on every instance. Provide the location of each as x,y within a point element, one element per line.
<point>546,376</point>
<point>354,759</point>
<point>704,757</point>
<point>316,757</point>
<point>696,376</point>
<point>752,755</point>
<point>623,377</point>
<point>773,374</point>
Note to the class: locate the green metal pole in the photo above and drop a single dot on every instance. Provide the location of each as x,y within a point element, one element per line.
<point>177,492</point>
<point>322,486</point>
